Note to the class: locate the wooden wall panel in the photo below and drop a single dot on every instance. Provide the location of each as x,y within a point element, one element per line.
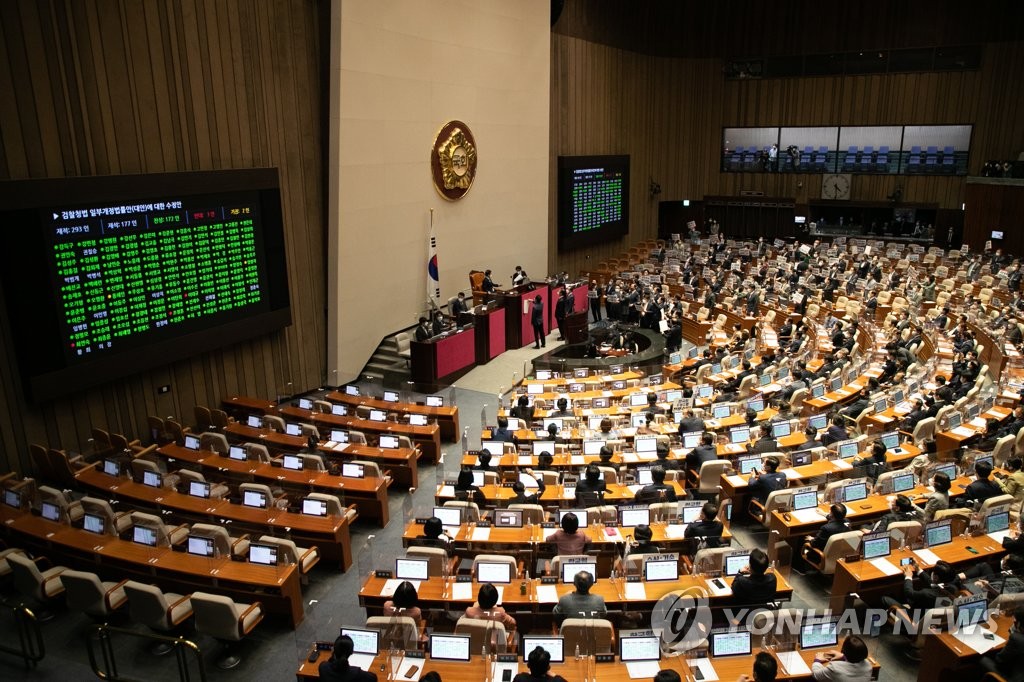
<point>97,87</point>
<point>667,114</point>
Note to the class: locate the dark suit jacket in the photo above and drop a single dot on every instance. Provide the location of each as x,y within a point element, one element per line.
<point>1008,662</point>
<point>982,490</point>
<point>765,484</point>
<point>334,670</point>
<point>652,493</point>
<point>765,444</point>
<point>700,454</point>
<point>712,530</point>
<point>828,530</point>
<point>754,589</point>
<point>690,424</point>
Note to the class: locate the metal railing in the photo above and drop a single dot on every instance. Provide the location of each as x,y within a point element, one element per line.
<point>102,637</point>
<point>28,636</point>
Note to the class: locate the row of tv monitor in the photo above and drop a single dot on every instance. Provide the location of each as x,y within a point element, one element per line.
<point>294,429</point>
<point>113,467</point>
<point>629,517</point>
<point>583,372</point>
<point>389,397</point>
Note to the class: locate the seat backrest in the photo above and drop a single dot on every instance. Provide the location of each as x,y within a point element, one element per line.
<point>204,420</point>
<point>711,475</point>
<point>370,469</point>
<point>436,557</point>
<point>334,507</point>
<point>590,635</point>
<point>497,559</point>
<point>27,578</point>
<point>837,547</point>
<point>154,522</point>
<point>904,532</point>
<point>924,430</point>
<point>274,422</point>
<point>398,631</point>
<point>357,437</point>
<point>216,616</point>
<point>259,488</point>
<point>312,462</point>
<point>287,551</point>
<point>532,513</point>
<point>257,452</point>
<point>102,508</point>
<point>993,504</point>
<point>147,605</point>
<point>483,634</point>
<point>308,430</point>
<point>84,592</point>
<point>470,513</point>
<point>214,442</point>
<point>1004,447</point>
<point>709,559</point>
<point>221,539</point>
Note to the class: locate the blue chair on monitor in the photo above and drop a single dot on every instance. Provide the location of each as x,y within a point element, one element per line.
<point>736,159</point>
<point>850,160</point>
<point>805,159</point>
<point>866,156</point>
<point>948,160</point>
<point>821,160</point>
<point>882,161</point>
<point>931,164</point>
<point>914,163</point>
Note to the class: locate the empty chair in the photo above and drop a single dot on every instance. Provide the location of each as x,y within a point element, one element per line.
<point>305,558</point>
<point>334,505</point>
<point>150,606</point>
<point>141,465</point>
<point>400,632</point>
<point>115,523</point>
<point>322,406</point>
<point>471,512</point>
<point>226,621</point>
<point>709,480</point>
<point>496,559</point>
<point>438,563</point>
<point>268,495</point>
<point>357,437</point>
<point>532,513</point>
<point>43,586</point>
<point>904,533</point>
<point>370,469</point>
<point>924,430</point>
<point>274,423</point>
<point>483,634</point>
<point>85,592</point>
<point>223,543</point>
<point>777,500</point>
<point>709,559</point>
<point>309,430</point>
<point>219,418</point>
<point>175,431</point>
<point>838,546</point>
<point>403,342</point>
<point>165,536</point>
<point>256,452</point>
<point>588,635</point>
<point>213,442</point>
<point>71,510</point>
<point>204,420</point>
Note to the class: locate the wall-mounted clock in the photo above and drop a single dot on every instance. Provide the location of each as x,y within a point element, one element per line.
<point>835,186</point>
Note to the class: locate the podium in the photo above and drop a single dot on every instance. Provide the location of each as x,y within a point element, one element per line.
<point>577,327</point>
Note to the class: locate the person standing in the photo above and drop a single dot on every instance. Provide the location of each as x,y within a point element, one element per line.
<point>488,284</point>
<point>595,299</point>
<point>561,310</point>
<point>537,320</point>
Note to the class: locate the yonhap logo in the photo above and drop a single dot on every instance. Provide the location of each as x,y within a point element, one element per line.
<point>683,621</point>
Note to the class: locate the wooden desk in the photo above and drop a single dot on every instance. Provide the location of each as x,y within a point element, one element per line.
<point>443,359</point>
<point>114,559</point>
<point>946,441</point>
<point>330,533</point>
<point>400,462</point>
<point>845,394</point>
<point>945,659</point>
<point>370,495</point>
<point>870,583</point>
<point>426,438</point>
<point>553,494</point>
<point>238,405</point>
<point>447,417</point>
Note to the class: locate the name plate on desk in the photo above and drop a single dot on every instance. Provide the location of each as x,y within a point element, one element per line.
<point>383,574</point>
<point>548,524</point>
<point>463,578</point>
<point>415,654</point>
<point>549,580</point>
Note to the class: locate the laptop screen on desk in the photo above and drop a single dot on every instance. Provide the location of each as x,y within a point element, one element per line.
<point>848,449</point>
<point>254,421</point>
<point>391,443</point>
<point>412,569</point>
<point>93,523</point>
<point>997,522</point>
<point>254,498</point>
<point>948,469</point>
<point>51,512</point>
<point>971,612</point>
<point>902,482</point>
<point>292,462</point>
<point>111,467</point>
<point>508,518</point>
<point>656,570</point>
<point>876,545</point>
<point>435,401</point>
<point>540,446</point>
<point>363,641</point>
<point>781,429</point>
<point>237,452</point>
<point>449,647</point>
<point>314,507</point>
<point>339,436</point>
<point>378,415</point>
<point>263,554</point>
<point>200,545</point>
<point>721,411</point>
<point>705,390</point>
<point>305,404</point>
<point>495,572</point>
<point>643,648</point>
<point>734,563</point>
<point>555,646</point>
<point>557,421</point>
<point>691,439</point>
<point>152,479</point>
<point>821,634</point>
<point>818,421</point>
<point>855,492</point>
<point>450,516</point>
<point>144,535</point>
<point>339,410</point>
<point>691,510</point>
<point>805,500</point>
<point>891,440</point>
<point>938,533</point>
<point>953,420</point>
<point>192,442</point>
<point>637,399</point>
<point>730,643</point>
<point>817,390</point>
<point>748,464</point>
<point>351,470</point>
<point>881,405</point>
<point>580,514</point>
<point>739,436</point>
<point>592,447</point>
<point>569,570</point>
<point>630,518</point>
<point>390,396</point>
<point>801,458</point>
<point>648,444</point>
<point>755,404</point>
<point>199,489</point>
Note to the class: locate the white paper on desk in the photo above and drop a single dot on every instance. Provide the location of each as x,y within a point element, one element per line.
<point>791,473</point>
<point>647,456</point>
<point>361,661</point>
<point>630,458</point>
<point>807,515</point>
<point>841,464</point>
<point>497,669</point>
<point>524,460</point>
<point>576,460</point>
<point>927,556</point>
<point>462,591</point>
<point>391,584</point>
<point>736,481</point>
<point>330,444</point>
<point>793,663</point>
<point>856,386</point>
<point>999,536</point>
<point>405,671</point>
<point>963,431</point>
<point>675,531</point>
<point>885,419</point>
<point>642,670</point>
<point>884,565</point>
<point>635,488</point>
<point>706,669</point>
<point>978,422</point>
<point>636,592</point>
<point>547,594</point>
<point>716,590</point>
<point>481,533</point>
<point>446,491</point>
<point>974,637</point>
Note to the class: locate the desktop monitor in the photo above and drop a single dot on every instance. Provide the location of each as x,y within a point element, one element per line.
<point>848,448</point>
<point>450,516</point>
<point>764,379</point>
<point>293,462</point>
<point>881,405</point>
<point>592,447</point>
<point>631,517</point>
<point>647,445</point>
<point>739,435</point>
<point>817,390</point>
<point>996,522</point>
<point>805,500</point>
<point>412,569</point>
<point>93,523</point>
<point>824,633</point>
<point>747,465</point>
<point>144,535</point>
<point>691,439</point>
<point>673,395</point>
<point>363,641</point>
<point>855,492</point>
<point>200,545</point>
<point>152,479</point>
<point>577,387</point>
<point>378,415</point>
<point>496,572</point>
<point>692,353</point>
<point>535,389</point>
<point>655,380</point>
<point>254,421</point>
<point>12,498</point>
<point>890,439</point>
<point>580,514</point>
<point>643,476</point>
<point>435,401</point>
<point>902,482</point>
<point>391,443</point>
<point>730,643</point>
<point>898,395</point>
<point>543,374</point>
<point>555,646</point>
<point>818,421</point>
<point>479,480</point>
<point>972,611</point>
<point>339,436</point>
<point>352,470</point>
<point>111,467</point>
<point>199,489</point>
<point>50,511</point>
<point>540,446</point>
<point>557,421</point>
<point>581,373</point>
<point>781,429</point>
<point>721,411</point>
<point>953,420</point>
<point>949,469</point>
<point>734,563</point>
<point>973,411</point>
<point>600,403</point>
<point>835,384</point>
<point>637,419</point>
<point>783,373</point>
<point>254,498</point>
<point>618,385</point>
<point>494,447</point>
<point>755,404</point>
<point>691,510</point>
<point>449,647</point>
<point>292,429</point>
<point>391,396</point>
<point>263,554</point>
<point>675,358</point>
<point>938,533</point>
<point>571,568</point>
<point>351,389</point>
<point>314,507</point>
<point>876,545</point>
<point>637,399</point>
<point>985,459</point>
<point>716,368</point>
<point>305,404</point>
<point>513,424</point>
<point>339,410</point>
<point>802,458</point>
<point>237,452</point>
<point>419,420</point>
<point>705,390</point>
<point>640,648</point>
<point>508,518</point>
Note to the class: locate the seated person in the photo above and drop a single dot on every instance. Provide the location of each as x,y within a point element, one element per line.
<point>642,536</point>
<point>1012,484</point>
<point>1009,661</point>
<point>900,509</point>
<point>662,452</point>
<point>835,432</point>
<point>811,434</point>
<point>754,585</point>
<point>483,461</point>
<point>524,495</point>
<point>926,589</point>
<point>523,409</point>
<point>835,523</point>
<point>761,485</point>
<point>581,604</point>
<point>705,452</point>
<point>938,499</point>
<point>765,443</point>
<point>590,490</point>
<point>606,428</point>
<point>568,539</point>
<point>486,607</point>
<point>658,490</point>
<point>561,409</point>
<point>766,669</point>
<point>984,487</point>
<point>433,535</point>
<point>707,527</point>
<point>405,602</point>
<point>875,463</point>
<point>605,456</point>
<point>538,662</point>
<point>850,664</point>
<point>690,423</point>
<point>502,433</point>
<point>465,490</point>
<point>337,668</point>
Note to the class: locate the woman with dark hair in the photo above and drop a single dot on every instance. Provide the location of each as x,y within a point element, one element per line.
<point>405,602</point>
<point>465,490</point>
<point>539,665</point>
<point>433,535</point>
<point>486,607</point>
<point>938,500</point>
<point>568,540</point>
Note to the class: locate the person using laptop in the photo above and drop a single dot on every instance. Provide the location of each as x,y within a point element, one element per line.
<point>1012,483</point>
<point>606,428</point>
<point>708,527</point>
<point>486,607</point>
<point>761,485</point>
<point>938,499</point>
<point>538,664</point>
<point>581,604</point>
<point>690,423</point>
<point>658,490</point>
<point>851,664</point>
<point>568,539</point>
<point>1009,661</point>
<point>661,452</point>
<point>835,523</point>
<point>754,584</point>
<point>983,488</point>
<point>900,509</point>
<point>705,452</point>
<point>502,433</point>
<point>766,669</point>
<point>337,668</point>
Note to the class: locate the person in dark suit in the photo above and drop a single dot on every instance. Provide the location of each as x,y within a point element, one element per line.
<point>433,535</point>
<point>836,523</point>
<point>761,485</point>
<point>537,321</point>
<point>690,422</point>
<point>754,585</point>
<point>705,452</point>
<point>1009,661</point>
<point>835,432</point>
<point>765,443</point>
<point>708,527</point>
<point>523,410</point>
<point>488,284</point>
<point>502,433</point>
<point>538,662</point>
<point>465,490</point>
<point>523,497</point>
<point>658,490</point>
<point>483,461</point>
<point>662,452</point>
<point>423,330</point>
<point>915,415</point>
<point>458,306</point>
<point>561,310</point>
<point>591,488</point>
<point>984,487</point>
<point>337,669</point>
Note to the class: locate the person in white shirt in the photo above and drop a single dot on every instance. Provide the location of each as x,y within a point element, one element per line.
<point>849,665</point>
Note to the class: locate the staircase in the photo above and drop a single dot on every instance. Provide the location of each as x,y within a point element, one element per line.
<point>386,365</point>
